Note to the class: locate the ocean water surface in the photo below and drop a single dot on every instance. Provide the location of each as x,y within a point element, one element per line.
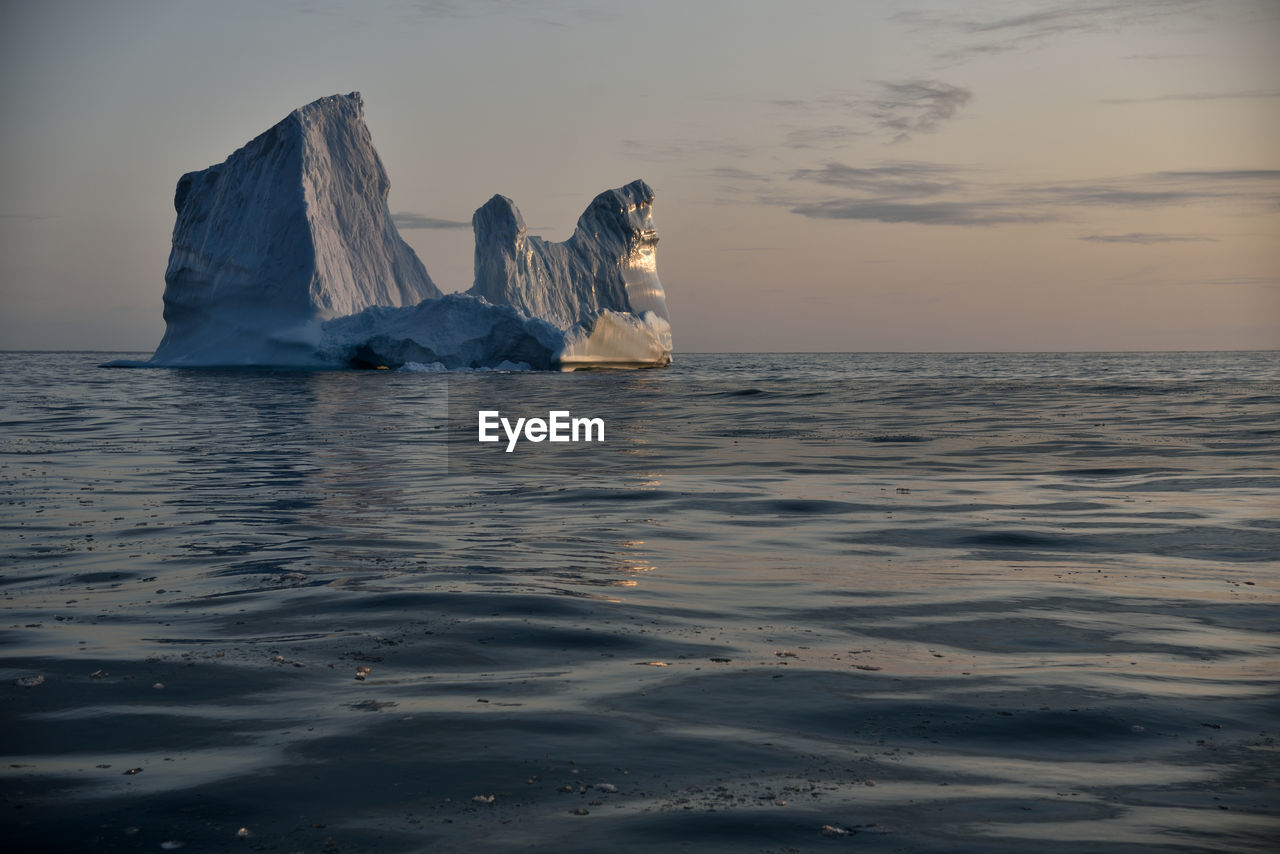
<point>891,602</point>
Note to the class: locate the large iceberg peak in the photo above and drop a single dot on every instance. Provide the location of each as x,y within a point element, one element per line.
<point>290,230</point>
<point>608,264</point>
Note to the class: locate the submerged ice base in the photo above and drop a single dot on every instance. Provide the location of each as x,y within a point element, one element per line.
<point>285,255</point>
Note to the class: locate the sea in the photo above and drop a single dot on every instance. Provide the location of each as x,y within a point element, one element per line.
<point>791,602</point>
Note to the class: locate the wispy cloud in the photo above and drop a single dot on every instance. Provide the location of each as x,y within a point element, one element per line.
<point>1250,94</point>
<point>894,108</point>
<point>684,149</point>
<point>1227,280</point>
<point>405,219</point>
<point>735,184</point>
<point>937,194</point>
<point>733,173</point>
<point>827,136</point>
<point>1124,193</point>
<point>1220,175</point>
<point>552,14</point>
<point>461,8</point>
<point>977,30</point>
<point>897,179</point>
<point>1145,239</point>
<point>1159,188</point>
<point>921,213</point>
<point>916,106</point>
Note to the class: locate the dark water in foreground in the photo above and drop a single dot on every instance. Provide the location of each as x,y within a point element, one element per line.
<point>933,603</point>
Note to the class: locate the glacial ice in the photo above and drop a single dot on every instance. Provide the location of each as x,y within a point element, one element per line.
<point>291,229</point>
<point>609,263</point>
<point>456,330</point>
<point>286,255</point>
<point>619,340</point>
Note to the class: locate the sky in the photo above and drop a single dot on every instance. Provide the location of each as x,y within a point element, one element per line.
<point>830,176</point>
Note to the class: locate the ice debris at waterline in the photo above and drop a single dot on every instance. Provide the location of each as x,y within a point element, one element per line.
<point>285,255</point>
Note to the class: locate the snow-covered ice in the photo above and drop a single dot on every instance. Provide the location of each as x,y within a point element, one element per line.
<point>285,254</point>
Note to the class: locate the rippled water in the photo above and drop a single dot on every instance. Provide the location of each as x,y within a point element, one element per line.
<point>930,602</point>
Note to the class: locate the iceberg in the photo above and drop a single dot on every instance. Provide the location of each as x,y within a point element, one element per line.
<point>601,285</point>
<point>286,255</point>
<point>292,229</point>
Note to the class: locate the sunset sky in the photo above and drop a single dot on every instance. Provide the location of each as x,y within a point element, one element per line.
<point>830,175</point>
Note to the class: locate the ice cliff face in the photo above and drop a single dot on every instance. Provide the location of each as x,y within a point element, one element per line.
<point>285,254</point>
<point>290,230</point>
